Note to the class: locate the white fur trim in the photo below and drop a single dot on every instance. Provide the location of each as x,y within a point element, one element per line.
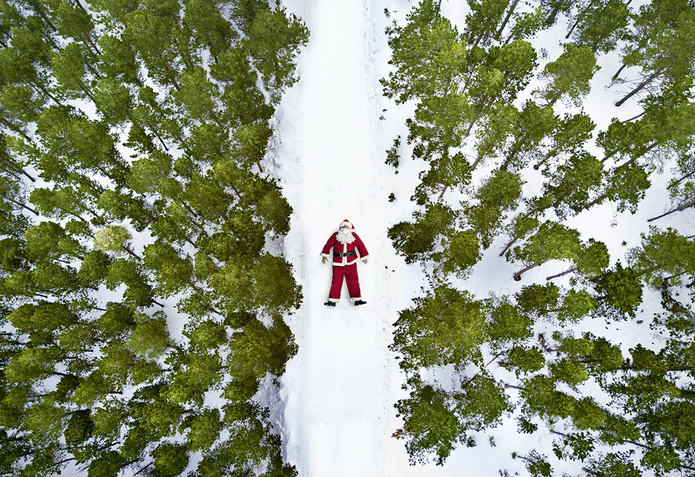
<point>344,238</point>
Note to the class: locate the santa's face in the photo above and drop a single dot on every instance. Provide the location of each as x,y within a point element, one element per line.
<point>345,235</point>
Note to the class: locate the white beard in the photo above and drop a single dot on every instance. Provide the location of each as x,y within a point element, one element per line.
<point>345,236</point>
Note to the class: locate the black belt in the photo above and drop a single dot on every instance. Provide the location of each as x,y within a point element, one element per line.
<point>346,254</point>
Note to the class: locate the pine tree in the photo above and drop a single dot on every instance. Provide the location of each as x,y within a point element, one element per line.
<point>274,39</point>
<point>569,136</point>
<point>117,60</point>
<point>445,327</point>
<point>432,425</point>
<point>661,56</point>
<point>552,241</point>
<point>625,185</point>
<point>153,33</point>
<point>499,193</point>
<point>485,21</point>
<point>664,259</point>
<point>569,75</point>
<point>574,183</point>
<point>428,54</point>
<point>593,260</point>
<point>101,384</point>
<point>69,69</point>
<point>619,291</point>
<point>600,24</point>
<point>532,126</point>
<point>415,240</point>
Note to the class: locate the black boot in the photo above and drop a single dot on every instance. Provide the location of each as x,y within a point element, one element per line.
<point>330,303</point>
<point>360,302</point>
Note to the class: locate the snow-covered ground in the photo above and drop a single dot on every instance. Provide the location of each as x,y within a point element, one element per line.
<point>333,127</point>
<point>340,389</point>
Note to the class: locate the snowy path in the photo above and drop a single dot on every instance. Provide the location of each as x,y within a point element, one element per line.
<point>338,392</point>
<point>335,389</point>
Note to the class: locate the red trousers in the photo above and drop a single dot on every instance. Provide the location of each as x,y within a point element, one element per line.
<point>349,273</point>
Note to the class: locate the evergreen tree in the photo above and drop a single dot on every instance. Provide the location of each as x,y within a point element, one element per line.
<point>500,193</point>
<point>681,189</point>
<point>552,241</point>
<point>619,291</point>
<point>664,259</point>
<point>600,24</point>
<point>625,185</point>
<point>485,21</point>
<point>274,39</point>
<point>103,385</point>
<point>593,260</point>
<point>569,75</point>
<point>153,33</point>
<point>661,55</point>
<point>210,28</point>
<point>69,69</point>
<point>428,54</point>
<point>573,184</point>
<point>117,60</point>
<point>445,327</point>
<point>532,126</point>
<point>415,240</point>
<point>569,136</point>
<point>500,77</point>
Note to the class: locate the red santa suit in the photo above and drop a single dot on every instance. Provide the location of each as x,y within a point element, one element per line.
<point>344,253</point>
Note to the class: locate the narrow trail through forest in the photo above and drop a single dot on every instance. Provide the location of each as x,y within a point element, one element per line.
<point>335,390</point>
<point>337,395</point>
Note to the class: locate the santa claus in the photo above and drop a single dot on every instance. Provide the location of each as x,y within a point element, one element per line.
<point>346,245</point>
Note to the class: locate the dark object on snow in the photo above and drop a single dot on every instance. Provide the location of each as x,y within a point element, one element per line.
<point>360,302</point>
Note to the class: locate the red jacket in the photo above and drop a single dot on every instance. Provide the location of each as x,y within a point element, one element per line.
<point>344,248</point>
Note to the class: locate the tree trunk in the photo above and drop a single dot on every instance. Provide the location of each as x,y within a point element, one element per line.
<point>569,270</point>
<point>674,184</point>
<point>639,87</point>
<point>552,17</point>
<point>508,246</point>
<point>40,89</point>
<point>666,279</point>
<point>22,206</point>
<point>517,275</point>
<point>617,73</point>
<point>649,148</point>
<point>441,194</point>
<point>28,176</point>
<point>633,118</point>
<point>477,161</point>
<point>512,7</point>
<point>14,128</point>
<point>547,157</point>
<point>677,209</point>
<point>86,91</point>
<point>572,29</point>
<point>127,248</point>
